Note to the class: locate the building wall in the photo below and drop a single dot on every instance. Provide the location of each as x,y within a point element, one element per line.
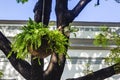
<point>85,57</point>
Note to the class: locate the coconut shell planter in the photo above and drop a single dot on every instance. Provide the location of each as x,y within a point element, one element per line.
<point>42,51</point>
<point>36,39</point>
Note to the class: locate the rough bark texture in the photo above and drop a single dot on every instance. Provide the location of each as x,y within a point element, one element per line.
<point>42,12</point>
<point>57,62</point>
<point>98,75</point>
<point>23,67</point>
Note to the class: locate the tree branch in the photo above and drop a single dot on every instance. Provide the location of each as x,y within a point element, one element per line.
<point>55,68</point>
<point>60,9</point>
<point>23,67</point>
<point>38,10</point>
<point>80,6</point>
<point>100,74</point>
<point>65,16</point>
<point>37,69</point>
<point>70,15</point>
<point>42,12</point>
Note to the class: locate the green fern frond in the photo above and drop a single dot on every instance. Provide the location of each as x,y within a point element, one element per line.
<point>32,35</point>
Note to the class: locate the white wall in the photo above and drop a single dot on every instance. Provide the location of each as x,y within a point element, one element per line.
<point>76,66</point>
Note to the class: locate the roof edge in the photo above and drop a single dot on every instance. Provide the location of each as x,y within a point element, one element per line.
<point>76,23</point>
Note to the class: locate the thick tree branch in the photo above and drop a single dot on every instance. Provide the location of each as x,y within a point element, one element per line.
<point>79,7</point>
<point>55,67</point>
<point>42,12</point>
<point>38,10</point>
<point>101,74</point>
<point>65,16</point>
<point>37,69</point>
<point>23,67</point>
<point>60,9</point>
<point>70,15</point>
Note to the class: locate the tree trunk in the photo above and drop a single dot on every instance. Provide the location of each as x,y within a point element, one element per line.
<point>42,12</point>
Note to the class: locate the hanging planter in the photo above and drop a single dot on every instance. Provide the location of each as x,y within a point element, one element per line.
<point>42,51</point>
<point>36,39</point>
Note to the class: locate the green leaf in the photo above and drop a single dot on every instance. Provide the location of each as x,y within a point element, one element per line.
<point>102,40</point>
<point>1,74</point>
<point>21,1</point>
<point>8,56</point>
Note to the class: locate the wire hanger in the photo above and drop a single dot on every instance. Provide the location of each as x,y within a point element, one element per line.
<point>43,11</point>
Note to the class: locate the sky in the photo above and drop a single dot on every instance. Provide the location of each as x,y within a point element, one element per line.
<point>107,11</point>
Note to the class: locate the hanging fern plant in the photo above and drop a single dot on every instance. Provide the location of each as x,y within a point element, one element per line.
<point>38,40</point>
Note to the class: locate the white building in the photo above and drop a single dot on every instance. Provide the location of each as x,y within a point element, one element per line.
<point>84,55</point>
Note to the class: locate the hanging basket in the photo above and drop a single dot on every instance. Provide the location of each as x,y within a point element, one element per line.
<point>43,51</point>
<point>39,41</point>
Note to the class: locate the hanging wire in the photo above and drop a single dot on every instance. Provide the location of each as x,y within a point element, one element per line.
<point>43,11</point>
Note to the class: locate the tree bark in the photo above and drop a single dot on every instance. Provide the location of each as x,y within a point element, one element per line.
<point>37,69</point>
<point>55,67</point>
<point>100,74</point>
<point>23,67</point>
<point>42,12</point>
<point>65,16</point>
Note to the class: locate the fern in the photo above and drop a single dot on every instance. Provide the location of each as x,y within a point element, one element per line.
<point>33,34</point>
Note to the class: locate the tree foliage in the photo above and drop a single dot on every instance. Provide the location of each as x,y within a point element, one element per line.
<point>21,1</point>
<point>107,37</point>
